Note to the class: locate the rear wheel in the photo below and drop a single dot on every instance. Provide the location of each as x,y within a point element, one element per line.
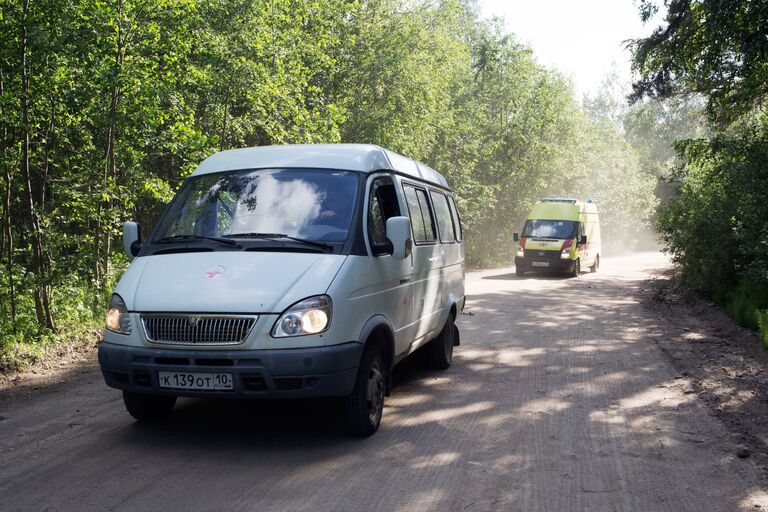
<point>365,405</point>
<point>576,269</point>
<point>440,349</point>
<point>148,407</point>
<point>595,265</point>
<point>519,271</point>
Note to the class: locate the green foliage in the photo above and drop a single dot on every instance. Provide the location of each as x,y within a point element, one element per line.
<point>762,321</point>
<point>745,301</point>
<point>712,47</point>
<point>652,127</point>
<point>124,98</point>
<point>715,226</point>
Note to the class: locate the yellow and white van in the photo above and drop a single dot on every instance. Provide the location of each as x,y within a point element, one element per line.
<point>560,235</point>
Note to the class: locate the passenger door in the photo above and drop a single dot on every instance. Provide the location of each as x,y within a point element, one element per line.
<point>392,280</point>
<point>451,253</point>
<point>426,264</point>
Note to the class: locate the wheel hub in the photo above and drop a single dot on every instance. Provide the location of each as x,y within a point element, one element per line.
<point>375,392</point>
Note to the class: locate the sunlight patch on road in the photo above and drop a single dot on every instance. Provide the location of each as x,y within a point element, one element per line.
<point>757,499</point>
<point>610,417</point>
<point>488,359</point>
<point>545,406</point>
<point>404,399</point>
<point>435,460</point>
<point>435,415</point>
<point>657,396</point>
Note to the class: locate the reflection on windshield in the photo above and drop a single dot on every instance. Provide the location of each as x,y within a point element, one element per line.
<point>315,205</point>
<point>539,228</point>
<point>276,207</point>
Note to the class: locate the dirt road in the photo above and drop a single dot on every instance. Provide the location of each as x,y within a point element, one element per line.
<point>558,400</point>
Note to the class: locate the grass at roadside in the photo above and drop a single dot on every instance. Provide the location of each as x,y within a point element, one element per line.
<point>745,303</point>
<point>762,321</point>
<point>49,350</point>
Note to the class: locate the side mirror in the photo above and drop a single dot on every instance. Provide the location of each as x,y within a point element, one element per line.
<point>516,236</point>
<point>399,233</point>
<point>583,240</point>
<point>131,239</point>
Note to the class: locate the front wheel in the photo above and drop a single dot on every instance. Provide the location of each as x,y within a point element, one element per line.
<point>576,269</point>
<point>148,407</point>
<point>365,405</point>
<point>595,265</point>
<point>440,349</point>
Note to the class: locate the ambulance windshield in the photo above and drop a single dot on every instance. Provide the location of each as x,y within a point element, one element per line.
<point>546,228</point>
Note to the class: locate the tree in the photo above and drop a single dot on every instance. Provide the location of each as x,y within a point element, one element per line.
<point>708,47</point>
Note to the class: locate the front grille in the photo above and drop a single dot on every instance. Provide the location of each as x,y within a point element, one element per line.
<point>541,255</point>
<point>197,329</point>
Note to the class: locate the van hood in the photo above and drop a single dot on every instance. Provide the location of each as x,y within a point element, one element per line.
<point>226,281</point>
<point>534,244</point>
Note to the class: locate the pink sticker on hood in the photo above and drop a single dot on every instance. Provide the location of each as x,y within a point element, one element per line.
<point>214,272</point>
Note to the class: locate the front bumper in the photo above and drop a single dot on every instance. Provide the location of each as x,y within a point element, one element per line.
<point>526,264</point>
<point>280,373</point>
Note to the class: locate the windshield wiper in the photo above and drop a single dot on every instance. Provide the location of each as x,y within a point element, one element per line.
<point>195,238</point>
<point>275,236</point>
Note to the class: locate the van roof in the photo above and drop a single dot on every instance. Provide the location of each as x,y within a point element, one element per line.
<point>348,157</point>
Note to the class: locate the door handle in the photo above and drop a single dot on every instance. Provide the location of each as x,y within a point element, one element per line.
<point>403,281</point>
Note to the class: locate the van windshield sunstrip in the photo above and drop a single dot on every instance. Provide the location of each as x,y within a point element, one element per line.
<point>299,203</point>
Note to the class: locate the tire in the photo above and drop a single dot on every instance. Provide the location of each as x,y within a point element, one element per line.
<point>364,407</point>
<point>576,269</point>
<point>148,407</point>
<point>595,265</point>
<point>440,349</point>
<point>519,272</point>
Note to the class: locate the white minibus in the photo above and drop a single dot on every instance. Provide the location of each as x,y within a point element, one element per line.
<point>288,272</point>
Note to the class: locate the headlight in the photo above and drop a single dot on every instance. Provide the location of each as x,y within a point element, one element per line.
<point>565,253</point>
<point>117,316</point>
<point>520,252</point>
<point>310,316</point>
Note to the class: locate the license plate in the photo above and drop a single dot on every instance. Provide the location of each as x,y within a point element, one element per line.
<point>196,381</point>
<point>539,263</point>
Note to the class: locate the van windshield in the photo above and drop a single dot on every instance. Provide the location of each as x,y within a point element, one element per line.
<point>303,203</point>
<point>545,228</point>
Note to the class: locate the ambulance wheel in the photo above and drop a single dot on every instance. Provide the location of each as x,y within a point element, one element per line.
<point>365,405</point>
<point>595,265</point>
<point>519,272</point>
<point>148,407</point>
<point>576,269</point>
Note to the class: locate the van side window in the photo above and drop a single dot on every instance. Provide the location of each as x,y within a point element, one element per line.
<point>421,214</point>
<point>382,205</point>
<point>443,215</point>
<point>426,213</point>
<point>456,219</point>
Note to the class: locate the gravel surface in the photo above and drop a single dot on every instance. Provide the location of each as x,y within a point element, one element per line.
<point>564,396</point>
